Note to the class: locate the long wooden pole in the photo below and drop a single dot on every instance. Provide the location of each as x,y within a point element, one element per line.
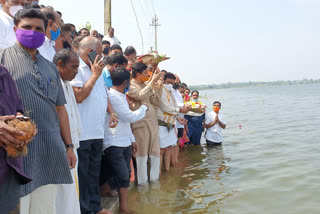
<point>107,16</point>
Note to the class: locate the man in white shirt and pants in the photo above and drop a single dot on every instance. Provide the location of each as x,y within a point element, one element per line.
<point>91,96</point>
<point>214,123</point>
<point>180,121</point>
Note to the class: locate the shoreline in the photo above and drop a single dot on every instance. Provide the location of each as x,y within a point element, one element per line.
<point>252,84</point>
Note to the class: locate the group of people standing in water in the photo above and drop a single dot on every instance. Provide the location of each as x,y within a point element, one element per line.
<point>97,110</point>
<point>212,122</point>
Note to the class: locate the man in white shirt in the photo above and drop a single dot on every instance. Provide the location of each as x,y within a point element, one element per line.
<point>7,34</point>
<point>67,62</point>
<point>91,96</point>
<point>180,121</point>
<point>111,38</point>
<point>214,123</point>
<point>120,142</point>
<point>167,114</point>
<point>47,50</point>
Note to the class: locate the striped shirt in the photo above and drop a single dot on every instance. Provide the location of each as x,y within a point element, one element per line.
<point>39,87</point>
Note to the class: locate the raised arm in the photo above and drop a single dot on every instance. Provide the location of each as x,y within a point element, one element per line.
<point>82,91</point>
<point>140,95</point>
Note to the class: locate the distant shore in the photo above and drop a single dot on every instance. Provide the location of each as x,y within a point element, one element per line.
<point>252,84</point>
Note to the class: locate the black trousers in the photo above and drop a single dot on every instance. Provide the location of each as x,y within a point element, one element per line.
<point>180,132</point>
<point>89,153</point>
<point>210,143</point>
<point>115,167</point>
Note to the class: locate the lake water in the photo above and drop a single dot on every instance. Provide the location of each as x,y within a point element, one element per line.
<point>270,165</point>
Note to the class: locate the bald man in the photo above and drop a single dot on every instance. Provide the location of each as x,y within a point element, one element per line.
<point>91,97</point>
<point>94,33</point>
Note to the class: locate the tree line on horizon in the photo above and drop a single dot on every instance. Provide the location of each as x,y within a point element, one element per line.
<point>253,84</point>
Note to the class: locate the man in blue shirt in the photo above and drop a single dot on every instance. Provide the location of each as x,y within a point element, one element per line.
<point>112,62</point>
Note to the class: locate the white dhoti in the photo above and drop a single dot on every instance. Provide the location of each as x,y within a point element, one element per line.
<point>166,138</point>
<point>142,169</point>
<point>40,201</point>
<point>67,200</point>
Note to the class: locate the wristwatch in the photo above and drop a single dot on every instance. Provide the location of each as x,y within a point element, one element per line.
<point>70,146</point>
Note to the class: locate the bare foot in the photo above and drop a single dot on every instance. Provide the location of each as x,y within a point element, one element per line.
<point>104,211</point>
<point>112,194</point>
<point>105,190</point>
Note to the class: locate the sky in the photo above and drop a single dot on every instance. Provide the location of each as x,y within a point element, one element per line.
<point>215,41</point>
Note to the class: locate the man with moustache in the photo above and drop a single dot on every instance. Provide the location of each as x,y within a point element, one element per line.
<point>50,154</point>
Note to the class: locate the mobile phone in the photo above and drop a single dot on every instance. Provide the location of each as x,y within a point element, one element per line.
<point>92,56</point>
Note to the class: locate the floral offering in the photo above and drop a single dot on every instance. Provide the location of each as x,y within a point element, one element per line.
<point>197,107</point>
<point>152,58</point>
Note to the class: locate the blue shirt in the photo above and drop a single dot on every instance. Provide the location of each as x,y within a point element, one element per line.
<point>107,77</point>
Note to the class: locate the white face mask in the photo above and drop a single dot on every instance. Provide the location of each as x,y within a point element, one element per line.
<point>14,9</point>
<point>168,86</point>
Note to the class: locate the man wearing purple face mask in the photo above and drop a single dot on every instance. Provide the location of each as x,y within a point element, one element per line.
<point>9,9</point>
<point>50,155</point>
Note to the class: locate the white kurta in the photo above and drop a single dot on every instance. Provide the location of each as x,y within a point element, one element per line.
<point>167,112</point>
<point>67,200</point>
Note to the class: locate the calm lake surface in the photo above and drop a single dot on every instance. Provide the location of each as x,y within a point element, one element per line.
<point>271,165</point>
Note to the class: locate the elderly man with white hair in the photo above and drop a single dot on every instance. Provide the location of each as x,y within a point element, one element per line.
<point>91,96</point>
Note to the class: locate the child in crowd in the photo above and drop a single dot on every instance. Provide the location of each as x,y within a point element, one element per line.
<point>214,123</point>
<point>186,96</point>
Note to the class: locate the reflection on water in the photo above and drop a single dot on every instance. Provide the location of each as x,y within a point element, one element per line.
<point>195,185</point>
<point>269,164</point>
